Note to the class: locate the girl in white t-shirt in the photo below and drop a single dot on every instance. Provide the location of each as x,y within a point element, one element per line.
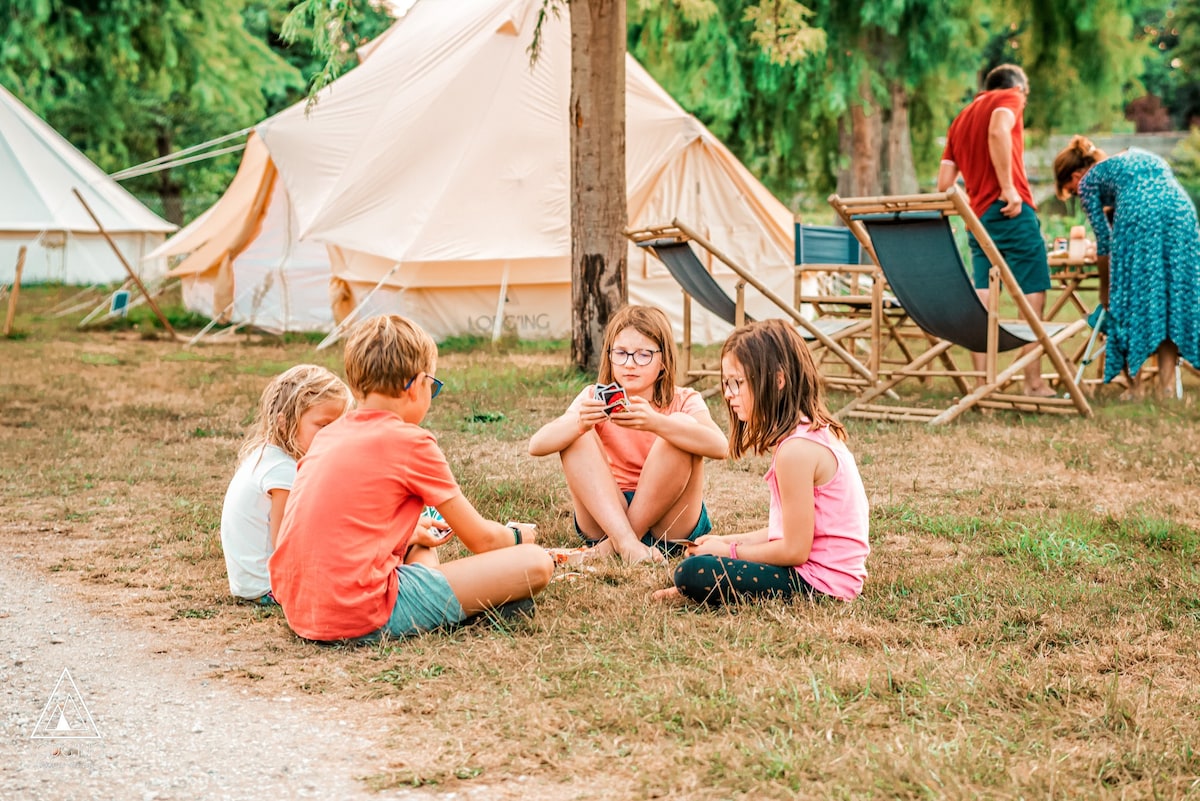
<point>294,407</point>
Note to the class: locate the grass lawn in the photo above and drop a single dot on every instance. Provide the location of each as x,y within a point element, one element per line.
<point>1029,628</point>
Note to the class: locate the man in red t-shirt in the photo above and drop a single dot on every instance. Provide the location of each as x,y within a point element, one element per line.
<point>986,145</point>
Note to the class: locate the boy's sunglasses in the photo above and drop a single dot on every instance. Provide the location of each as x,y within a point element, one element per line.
<point>437,384</point>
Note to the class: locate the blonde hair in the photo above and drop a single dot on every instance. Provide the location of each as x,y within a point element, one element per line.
<point>385,353</point>
<point>768,351</point>
<point>1080,154</point>
<point>652,323</point>
<point>285,400</point>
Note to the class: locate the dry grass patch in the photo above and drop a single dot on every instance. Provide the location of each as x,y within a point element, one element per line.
<point>1029,628</point>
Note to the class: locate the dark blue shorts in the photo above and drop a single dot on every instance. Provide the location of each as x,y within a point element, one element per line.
<point>703,526</point>
<point>1019,240</point>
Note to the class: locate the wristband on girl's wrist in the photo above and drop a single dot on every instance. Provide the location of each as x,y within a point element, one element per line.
<point>516,530</point>
<point>733,550</point>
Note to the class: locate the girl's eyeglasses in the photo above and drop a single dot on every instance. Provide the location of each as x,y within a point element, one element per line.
<point>437,384</point>
<point>733,386</point>
<point>640,357</point>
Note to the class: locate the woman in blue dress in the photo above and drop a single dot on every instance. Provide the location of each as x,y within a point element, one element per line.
<point>1148,256</point>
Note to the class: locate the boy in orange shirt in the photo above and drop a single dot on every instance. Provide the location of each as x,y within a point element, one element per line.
<point>354,559</point>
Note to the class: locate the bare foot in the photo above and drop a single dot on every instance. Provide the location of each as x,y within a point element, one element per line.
<point>642,553</point>
<point>1135,393</point>
<point>670,595</point>
<point>1166,394</point>
<point>1043,391</point>
<point>601,550</point>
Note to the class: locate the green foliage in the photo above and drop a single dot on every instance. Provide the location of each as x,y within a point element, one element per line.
<point>785,120</point>
<point>1174,74</point>
<point>1082,58</point>
<point>127,81</point>
<point>328,34</point>
<point>782,30</point>
<point>1186,164</point>
<point>131,80</point>
<point>748,99</point>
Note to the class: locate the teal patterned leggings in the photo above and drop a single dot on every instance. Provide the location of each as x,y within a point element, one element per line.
<point>717,580</point>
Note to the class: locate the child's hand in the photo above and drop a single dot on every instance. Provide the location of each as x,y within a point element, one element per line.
<point>639,414</point>
<point>591,412</point>
<point>711,544</point>
<point>640,552</point>
<point>431,532</point>
<point>528,531</point>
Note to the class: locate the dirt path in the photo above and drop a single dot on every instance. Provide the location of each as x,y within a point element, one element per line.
<point>165,732</point>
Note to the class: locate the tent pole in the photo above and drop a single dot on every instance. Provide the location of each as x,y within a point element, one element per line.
<point>498,320</point>
<point>209,326</point>
<point>72,304</point>
<point>336,333</point>
<point>157,312</point>
<point>103,303</point>
<point>92,314</point>
<point>214,320</point>
<point>16,289</point>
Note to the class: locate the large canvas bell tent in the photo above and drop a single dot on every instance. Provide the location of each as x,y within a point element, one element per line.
<point>38,210</point>
<point>434,181</point>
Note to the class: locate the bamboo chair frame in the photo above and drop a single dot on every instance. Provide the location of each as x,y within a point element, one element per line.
<point>699,285</point>
<point>956,314</point>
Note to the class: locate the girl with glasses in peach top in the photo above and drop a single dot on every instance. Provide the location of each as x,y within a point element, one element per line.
<point>635,470</point>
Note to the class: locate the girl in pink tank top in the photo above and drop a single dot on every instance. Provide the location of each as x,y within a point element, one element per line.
<point>815,541</point>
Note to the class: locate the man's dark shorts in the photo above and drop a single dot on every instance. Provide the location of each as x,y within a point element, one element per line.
<point>1020,242</point>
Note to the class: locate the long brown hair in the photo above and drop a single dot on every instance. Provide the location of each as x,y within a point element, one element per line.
<point>769,351</point>
<point>1080,154</point>
<point>652,323</point>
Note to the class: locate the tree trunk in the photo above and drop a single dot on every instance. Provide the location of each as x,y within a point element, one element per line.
<point>599,283</point>
<point>169,190</point>
<point>866,135</point>
<point>901,171</point>
<point>845,145</point>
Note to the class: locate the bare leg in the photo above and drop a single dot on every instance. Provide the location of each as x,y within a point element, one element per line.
<point>670,595</point>
<point>486,580</point>
<point>599,505</point>
<point>669,492</point>
<point>1168,365</point>
<point>1136,383</point>
<point>420,555</point>
<point>979,360</point>
<point>1034,383</point>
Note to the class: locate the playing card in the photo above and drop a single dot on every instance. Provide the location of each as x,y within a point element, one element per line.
<point>615,400</point>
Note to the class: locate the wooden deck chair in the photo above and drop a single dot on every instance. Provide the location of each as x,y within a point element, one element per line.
<point>848,284</point>
<point>671,245</point>
<point>915,247</point>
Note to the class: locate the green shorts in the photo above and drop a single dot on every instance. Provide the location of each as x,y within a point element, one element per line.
<point>424,602</point>
<point>703,526</point>
<point>1019,240</point>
